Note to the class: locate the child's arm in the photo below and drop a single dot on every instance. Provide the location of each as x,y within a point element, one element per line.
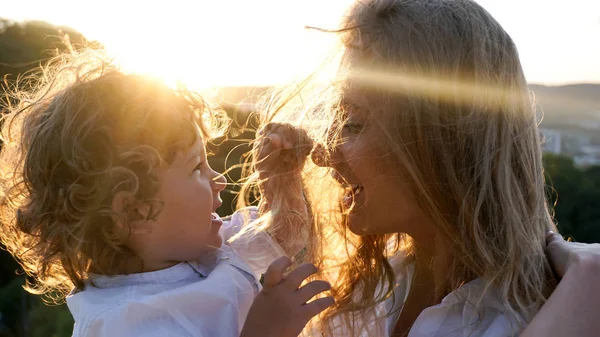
<point>281,151</point>
<point>281,308</point>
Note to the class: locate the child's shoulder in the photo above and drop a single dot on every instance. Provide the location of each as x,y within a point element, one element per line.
<point>176,301</point>
<point>234,223</point>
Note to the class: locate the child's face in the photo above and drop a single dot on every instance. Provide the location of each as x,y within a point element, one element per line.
<point>186,227</point>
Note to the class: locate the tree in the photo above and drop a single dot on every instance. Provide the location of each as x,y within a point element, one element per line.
<point>575,196</point>
<point>24,46</point>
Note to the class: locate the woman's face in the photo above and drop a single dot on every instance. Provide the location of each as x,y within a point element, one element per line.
<point>378,193</point>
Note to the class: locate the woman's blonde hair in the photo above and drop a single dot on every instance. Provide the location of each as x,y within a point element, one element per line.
<point>77,132</point>
<point>447,92</point>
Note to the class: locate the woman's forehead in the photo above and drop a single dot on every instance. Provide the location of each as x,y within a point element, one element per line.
<point>354,101</point>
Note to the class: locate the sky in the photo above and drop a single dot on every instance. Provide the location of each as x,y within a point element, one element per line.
<point>263,42</point>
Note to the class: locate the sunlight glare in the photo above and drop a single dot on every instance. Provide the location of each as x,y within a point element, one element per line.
<point>205,44</point>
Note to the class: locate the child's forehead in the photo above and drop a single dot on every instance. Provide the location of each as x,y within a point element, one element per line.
<point>190,151</point>
<point>197,148</point>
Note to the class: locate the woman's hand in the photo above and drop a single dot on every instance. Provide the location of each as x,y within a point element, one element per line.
<point>282,309</point>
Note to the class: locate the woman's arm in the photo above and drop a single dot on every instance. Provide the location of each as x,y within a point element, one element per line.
<point>572,309</point>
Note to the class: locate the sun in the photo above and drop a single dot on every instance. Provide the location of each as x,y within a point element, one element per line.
<point>201,43</point>
<point>206,44</point>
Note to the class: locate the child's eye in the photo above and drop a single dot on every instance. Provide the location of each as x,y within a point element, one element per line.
<point>198,167</point>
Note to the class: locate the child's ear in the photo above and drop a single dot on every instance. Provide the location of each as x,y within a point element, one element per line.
<point>120,205</point>
<point>123,202</point>
<point>128,212</point>
<point>131,215</point>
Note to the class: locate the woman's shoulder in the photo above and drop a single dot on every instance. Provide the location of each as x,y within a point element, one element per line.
<point>474,310</point>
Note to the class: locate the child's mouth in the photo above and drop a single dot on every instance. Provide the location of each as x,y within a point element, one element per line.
<point>216,219</point>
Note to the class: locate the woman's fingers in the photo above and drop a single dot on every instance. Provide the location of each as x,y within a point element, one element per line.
<point>275,272</point>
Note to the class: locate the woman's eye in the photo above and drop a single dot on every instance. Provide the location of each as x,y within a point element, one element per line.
<point>353,127</point>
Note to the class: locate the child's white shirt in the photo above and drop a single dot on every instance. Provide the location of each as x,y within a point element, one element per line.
<point>204,298</point>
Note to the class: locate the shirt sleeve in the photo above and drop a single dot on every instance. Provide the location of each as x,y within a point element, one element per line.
<point>151,320</point>
<point>243,232</point>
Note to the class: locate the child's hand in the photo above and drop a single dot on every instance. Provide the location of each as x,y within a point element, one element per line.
<point>281,308</point>
<point>281,151</point>
<point>281,148</point>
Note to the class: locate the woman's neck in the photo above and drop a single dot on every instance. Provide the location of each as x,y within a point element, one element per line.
<point>429,284</point>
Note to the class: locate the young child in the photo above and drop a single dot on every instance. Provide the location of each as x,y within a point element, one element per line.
<point>108,196</point>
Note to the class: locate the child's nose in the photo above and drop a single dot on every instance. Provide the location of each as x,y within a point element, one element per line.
<point>219,182</point>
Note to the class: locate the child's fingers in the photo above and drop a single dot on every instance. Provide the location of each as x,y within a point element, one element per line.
<point>266,128</point>
<point>558,252</point>
<point>298,275</point>
<point>553,237</point>
<point>315,307</point>
<point>274,273</point>
<point>308,291</point>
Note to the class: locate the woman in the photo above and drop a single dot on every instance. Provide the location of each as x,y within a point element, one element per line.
<point>433,145</point>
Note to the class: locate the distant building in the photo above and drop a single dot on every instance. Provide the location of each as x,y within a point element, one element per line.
<point>586,161</point>
<point>552,140</point>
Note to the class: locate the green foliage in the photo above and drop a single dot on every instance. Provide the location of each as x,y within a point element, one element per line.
<point>50,320</point>
<point>25,45</point>
<point>575,194</point>
<point>24,314</point>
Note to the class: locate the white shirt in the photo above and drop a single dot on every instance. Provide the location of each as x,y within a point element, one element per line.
<point>456,315</point>
<point>462,313</point>
<point>206,298</point>
<point>211,298</point>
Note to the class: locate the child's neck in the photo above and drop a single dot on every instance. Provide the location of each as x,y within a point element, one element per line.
<point>129,265</point>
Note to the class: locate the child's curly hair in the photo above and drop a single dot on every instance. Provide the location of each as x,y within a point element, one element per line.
<point>80,131</point>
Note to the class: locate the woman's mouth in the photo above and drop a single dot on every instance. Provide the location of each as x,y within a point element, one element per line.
<point>352,191</point>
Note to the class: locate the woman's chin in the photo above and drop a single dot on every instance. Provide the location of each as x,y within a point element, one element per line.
<point>356,225</point>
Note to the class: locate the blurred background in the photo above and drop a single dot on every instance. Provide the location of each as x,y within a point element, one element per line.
<point>235,50</point>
